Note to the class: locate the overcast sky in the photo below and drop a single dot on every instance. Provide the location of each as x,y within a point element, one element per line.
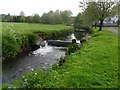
<point>38,6</point>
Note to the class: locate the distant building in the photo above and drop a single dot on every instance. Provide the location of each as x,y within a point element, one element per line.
<point>111,20</point>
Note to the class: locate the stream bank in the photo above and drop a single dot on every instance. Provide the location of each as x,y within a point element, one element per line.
<point>37,59</point>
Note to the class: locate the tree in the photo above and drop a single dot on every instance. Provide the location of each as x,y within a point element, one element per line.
<point>98,11</point>
<point>116,12</point>
<point>29,19</point>
<point>44,18</point>
<point>51,18</point>
<point>65,16</point>
<point>22,16</point>
<point>78,21</point>
<point>22,13</point>
<point>8,18</point>
<point>14,19</point>
<point>36,18</point>
<point>57,16</point>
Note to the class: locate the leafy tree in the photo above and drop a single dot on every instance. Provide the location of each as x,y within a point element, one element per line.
<point>78,20</point>
<point>29,19</point>
<point>36,18</point>
<point>18,19</point>
<point>8,18</point>
<point>14,19</point>
<point>44,18</point>
<point>51,18</point>
<point>22,16</point>
<point>116,12</point>
<point>97,11</point>
<point>22,13</point>
<point>57,16</point>
<point>65,16</point>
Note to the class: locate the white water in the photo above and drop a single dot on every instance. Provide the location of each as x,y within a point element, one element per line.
<point>72,36</point>
<point>44,48</point>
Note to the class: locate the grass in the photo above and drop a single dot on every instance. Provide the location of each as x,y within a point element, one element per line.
<point>95,65</point>
<point>17,37</point>
<point>30,27</point>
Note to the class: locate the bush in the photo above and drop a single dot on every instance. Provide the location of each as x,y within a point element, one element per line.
<point>72,48</point>
<point>31,38</point>
<point>6,87</point>
<point>10,43</point>
<point>93,30</point>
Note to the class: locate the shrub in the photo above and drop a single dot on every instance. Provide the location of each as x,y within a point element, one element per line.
<point>10,43</point>
<point>6,87</point>
<point>72,48</point>
<point>14,42</point>
<point>93,30</point>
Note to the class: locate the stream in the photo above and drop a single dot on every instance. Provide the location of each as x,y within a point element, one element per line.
<point>42,57</point>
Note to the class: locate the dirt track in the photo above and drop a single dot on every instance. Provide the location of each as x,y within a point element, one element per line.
<point>113,31</point>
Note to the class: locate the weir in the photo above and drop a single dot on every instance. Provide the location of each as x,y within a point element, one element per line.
<point>48,53</point>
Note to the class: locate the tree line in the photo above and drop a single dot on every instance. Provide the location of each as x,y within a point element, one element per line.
<point>57,17</point>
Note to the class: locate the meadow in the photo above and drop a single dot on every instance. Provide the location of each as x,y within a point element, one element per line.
<point>17,37</point>
<point>95,65</point>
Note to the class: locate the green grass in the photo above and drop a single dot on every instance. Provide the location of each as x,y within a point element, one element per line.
<point>30,27</point>
<point>17,37</point>
<point>95,65</point>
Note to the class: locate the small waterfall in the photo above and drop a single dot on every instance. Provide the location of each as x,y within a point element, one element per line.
<point>44,49</point>
<point>71,37</point>
<point>43,43</point>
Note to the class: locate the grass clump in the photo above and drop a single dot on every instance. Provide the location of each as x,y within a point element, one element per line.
<point>95,65</point>
<point>93,30</point>
<point>72,48</point>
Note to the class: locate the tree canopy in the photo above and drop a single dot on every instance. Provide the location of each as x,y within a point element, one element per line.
<point>97,11</point>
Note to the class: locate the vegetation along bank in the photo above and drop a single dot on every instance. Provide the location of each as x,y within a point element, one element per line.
<point>18,37</point>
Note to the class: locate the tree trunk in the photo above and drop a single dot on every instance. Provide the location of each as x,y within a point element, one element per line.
<point>101,25</point>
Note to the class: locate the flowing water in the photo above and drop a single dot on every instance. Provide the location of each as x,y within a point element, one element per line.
<point>42,57</point>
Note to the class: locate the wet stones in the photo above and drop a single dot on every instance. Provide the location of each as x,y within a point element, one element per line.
<point>43,43</point>
<point>85,38</point>
<point>34,47</point>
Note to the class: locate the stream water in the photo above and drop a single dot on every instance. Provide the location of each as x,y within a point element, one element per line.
<point>42,57</point>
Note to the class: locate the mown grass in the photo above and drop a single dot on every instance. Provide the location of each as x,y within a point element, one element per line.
<point>17,37</point>
<point>95,65</point>
<point>30,27</point>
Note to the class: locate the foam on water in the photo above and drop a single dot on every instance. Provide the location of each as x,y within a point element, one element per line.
<point>43,50</point>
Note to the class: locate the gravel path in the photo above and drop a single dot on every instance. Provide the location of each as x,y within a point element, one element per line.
<point>113,31</point>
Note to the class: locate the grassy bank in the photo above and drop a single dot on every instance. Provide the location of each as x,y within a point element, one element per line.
<point>95,65</point>
<point>17,37</point>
